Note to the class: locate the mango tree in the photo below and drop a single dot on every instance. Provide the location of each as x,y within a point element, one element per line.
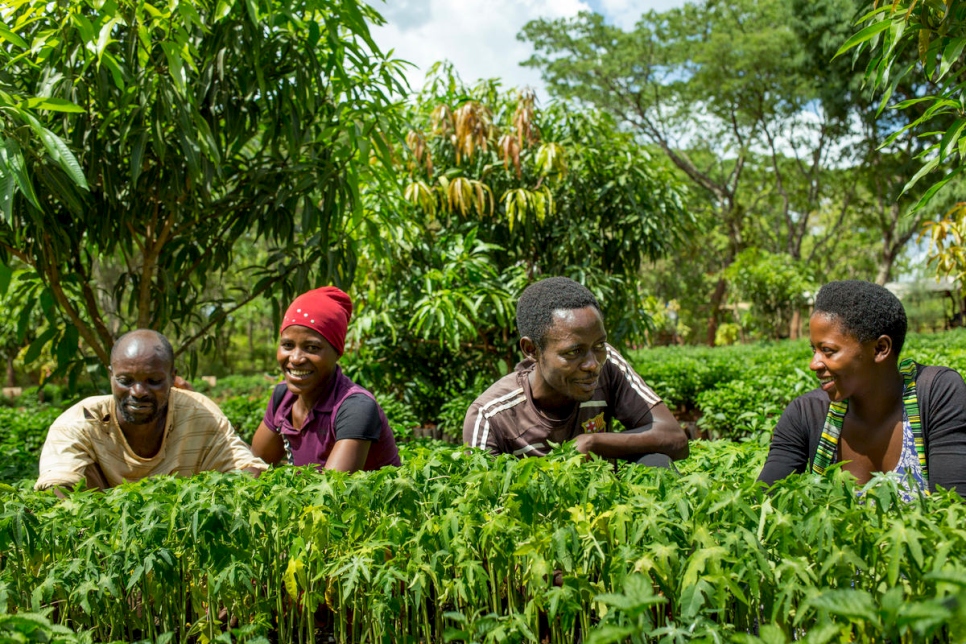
<point>935,35</point>
<point>143,139</point>
<point>499,192</point>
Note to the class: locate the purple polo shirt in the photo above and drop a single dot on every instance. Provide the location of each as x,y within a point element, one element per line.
<point>313,443</point>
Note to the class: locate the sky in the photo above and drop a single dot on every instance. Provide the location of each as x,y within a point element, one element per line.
<point>479,36</point>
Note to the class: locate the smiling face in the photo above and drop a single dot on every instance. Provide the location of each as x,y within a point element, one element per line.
<point>845,366</point>
<point>307,360</point>
<point>569,364</point>
<point>141,382</point>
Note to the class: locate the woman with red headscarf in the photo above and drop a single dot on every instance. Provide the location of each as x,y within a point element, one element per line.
<point>318,416</point>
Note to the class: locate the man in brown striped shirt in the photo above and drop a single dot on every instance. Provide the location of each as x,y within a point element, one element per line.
<point>145,428</point>
<point>571,385</point>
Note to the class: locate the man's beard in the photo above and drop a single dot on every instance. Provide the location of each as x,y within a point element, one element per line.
<point>139,417</point>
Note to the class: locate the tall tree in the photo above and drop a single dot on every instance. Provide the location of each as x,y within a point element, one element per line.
<point>921,44</point>
<point>499,193</point>
<point>742,98</point>
<point>192,124</point>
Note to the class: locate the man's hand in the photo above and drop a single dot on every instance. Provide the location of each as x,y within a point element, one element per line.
<point>584,443</point>
<point>181,383</point>
<point>661,433</point>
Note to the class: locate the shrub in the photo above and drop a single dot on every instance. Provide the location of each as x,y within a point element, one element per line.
<point>22,435</point>
<point>246,412</point>
<point>453,546</point>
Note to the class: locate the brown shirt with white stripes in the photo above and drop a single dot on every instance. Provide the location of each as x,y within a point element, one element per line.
<point>504,419</point>
<point>197,438</point>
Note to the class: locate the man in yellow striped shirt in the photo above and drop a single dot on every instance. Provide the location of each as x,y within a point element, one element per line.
<point>145,428</point>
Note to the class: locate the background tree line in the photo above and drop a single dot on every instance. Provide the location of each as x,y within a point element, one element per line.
<point>191,167</point>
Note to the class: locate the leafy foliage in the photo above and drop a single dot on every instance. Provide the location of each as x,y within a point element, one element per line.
<point>936,31</point>
<point>774,284</point>
<point>740,391</point>
<point>498,193</point>
<point>463,546</point>
<point>778,144</point>
<point>22,435</point>
<point>145,139</point>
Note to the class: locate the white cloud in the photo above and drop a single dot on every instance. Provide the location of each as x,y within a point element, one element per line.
<point>626,13</point>
<point>477,36</point>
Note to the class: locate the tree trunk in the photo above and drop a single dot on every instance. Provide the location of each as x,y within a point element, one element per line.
<point>11,374</point>
<point>716,298</point>
<point>795,326</point>
<point>886,261</point>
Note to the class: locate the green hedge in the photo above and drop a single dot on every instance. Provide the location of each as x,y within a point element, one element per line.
<point>740,391</point>
<point>463,547</point>
<point>22,434</point>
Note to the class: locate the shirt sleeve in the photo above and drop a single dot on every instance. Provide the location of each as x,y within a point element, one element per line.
<point>478,432</point>
<point>631,398</point>
<point>67,452</point>
<point>269,418</point>
<point>226,450</point>
<point>358,418</point>
<point>946,433</point>
<point>789,450</point>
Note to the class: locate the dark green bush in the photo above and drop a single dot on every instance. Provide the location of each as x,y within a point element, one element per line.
<point>246,412</point>
<point>744,408</point>
<point>228,386</point>
<point>22,435</point>
<point>740,391</point>
<point>401,418</point>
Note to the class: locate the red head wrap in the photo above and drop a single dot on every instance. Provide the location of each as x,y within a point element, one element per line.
<point>325,310</point>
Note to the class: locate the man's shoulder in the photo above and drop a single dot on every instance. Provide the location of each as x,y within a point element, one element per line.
<point>617,363</point>
<point>504,398</point>
<point>618,370</point>
<point>90,410</point>
<point>191,404</point>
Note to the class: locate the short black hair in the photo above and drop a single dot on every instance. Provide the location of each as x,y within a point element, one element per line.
<point>539,300</point>
<point>166,350</point>
<point>865,310</point>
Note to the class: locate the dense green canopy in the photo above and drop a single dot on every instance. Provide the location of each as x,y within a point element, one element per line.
<point>145,139</point>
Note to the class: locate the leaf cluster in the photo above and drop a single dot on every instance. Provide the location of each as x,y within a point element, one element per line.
<point>740,391</point>
<point>462,546</point>
<point>191,126</point>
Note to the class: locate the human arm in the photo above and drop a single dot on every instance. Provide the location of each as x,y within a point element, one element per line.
<point>66,457</point>
<point>659,433</point>
<point>348,455</point>
<point>229,452</point>
<point>790,450</point>
<point>649,427</point>
<point>267,445</point>
<point>946,432</point>
<point>224,449</point>
<point>358,425</point>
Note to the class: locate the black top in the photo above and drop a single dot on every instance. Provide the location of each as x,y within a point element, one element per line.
<point>942,405</point>
<point>358,417</point>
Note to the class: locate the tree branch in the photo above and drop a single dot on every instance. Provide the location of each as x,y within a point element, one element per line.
<point>93,310</point>
<point>53,280</point>
<point>225,313</point>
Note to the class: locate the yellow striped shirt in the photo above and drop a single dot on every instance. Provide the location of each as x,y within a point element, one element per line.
<point>197,438</point>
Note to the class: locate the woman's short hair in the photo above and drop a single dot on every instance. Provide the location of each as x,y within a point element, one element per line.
<point>539,300</point>
<point>865,310</point>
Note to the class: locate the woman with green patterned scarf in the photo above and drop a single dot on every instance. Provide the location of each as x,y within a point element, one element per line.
<point>872,412</point>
